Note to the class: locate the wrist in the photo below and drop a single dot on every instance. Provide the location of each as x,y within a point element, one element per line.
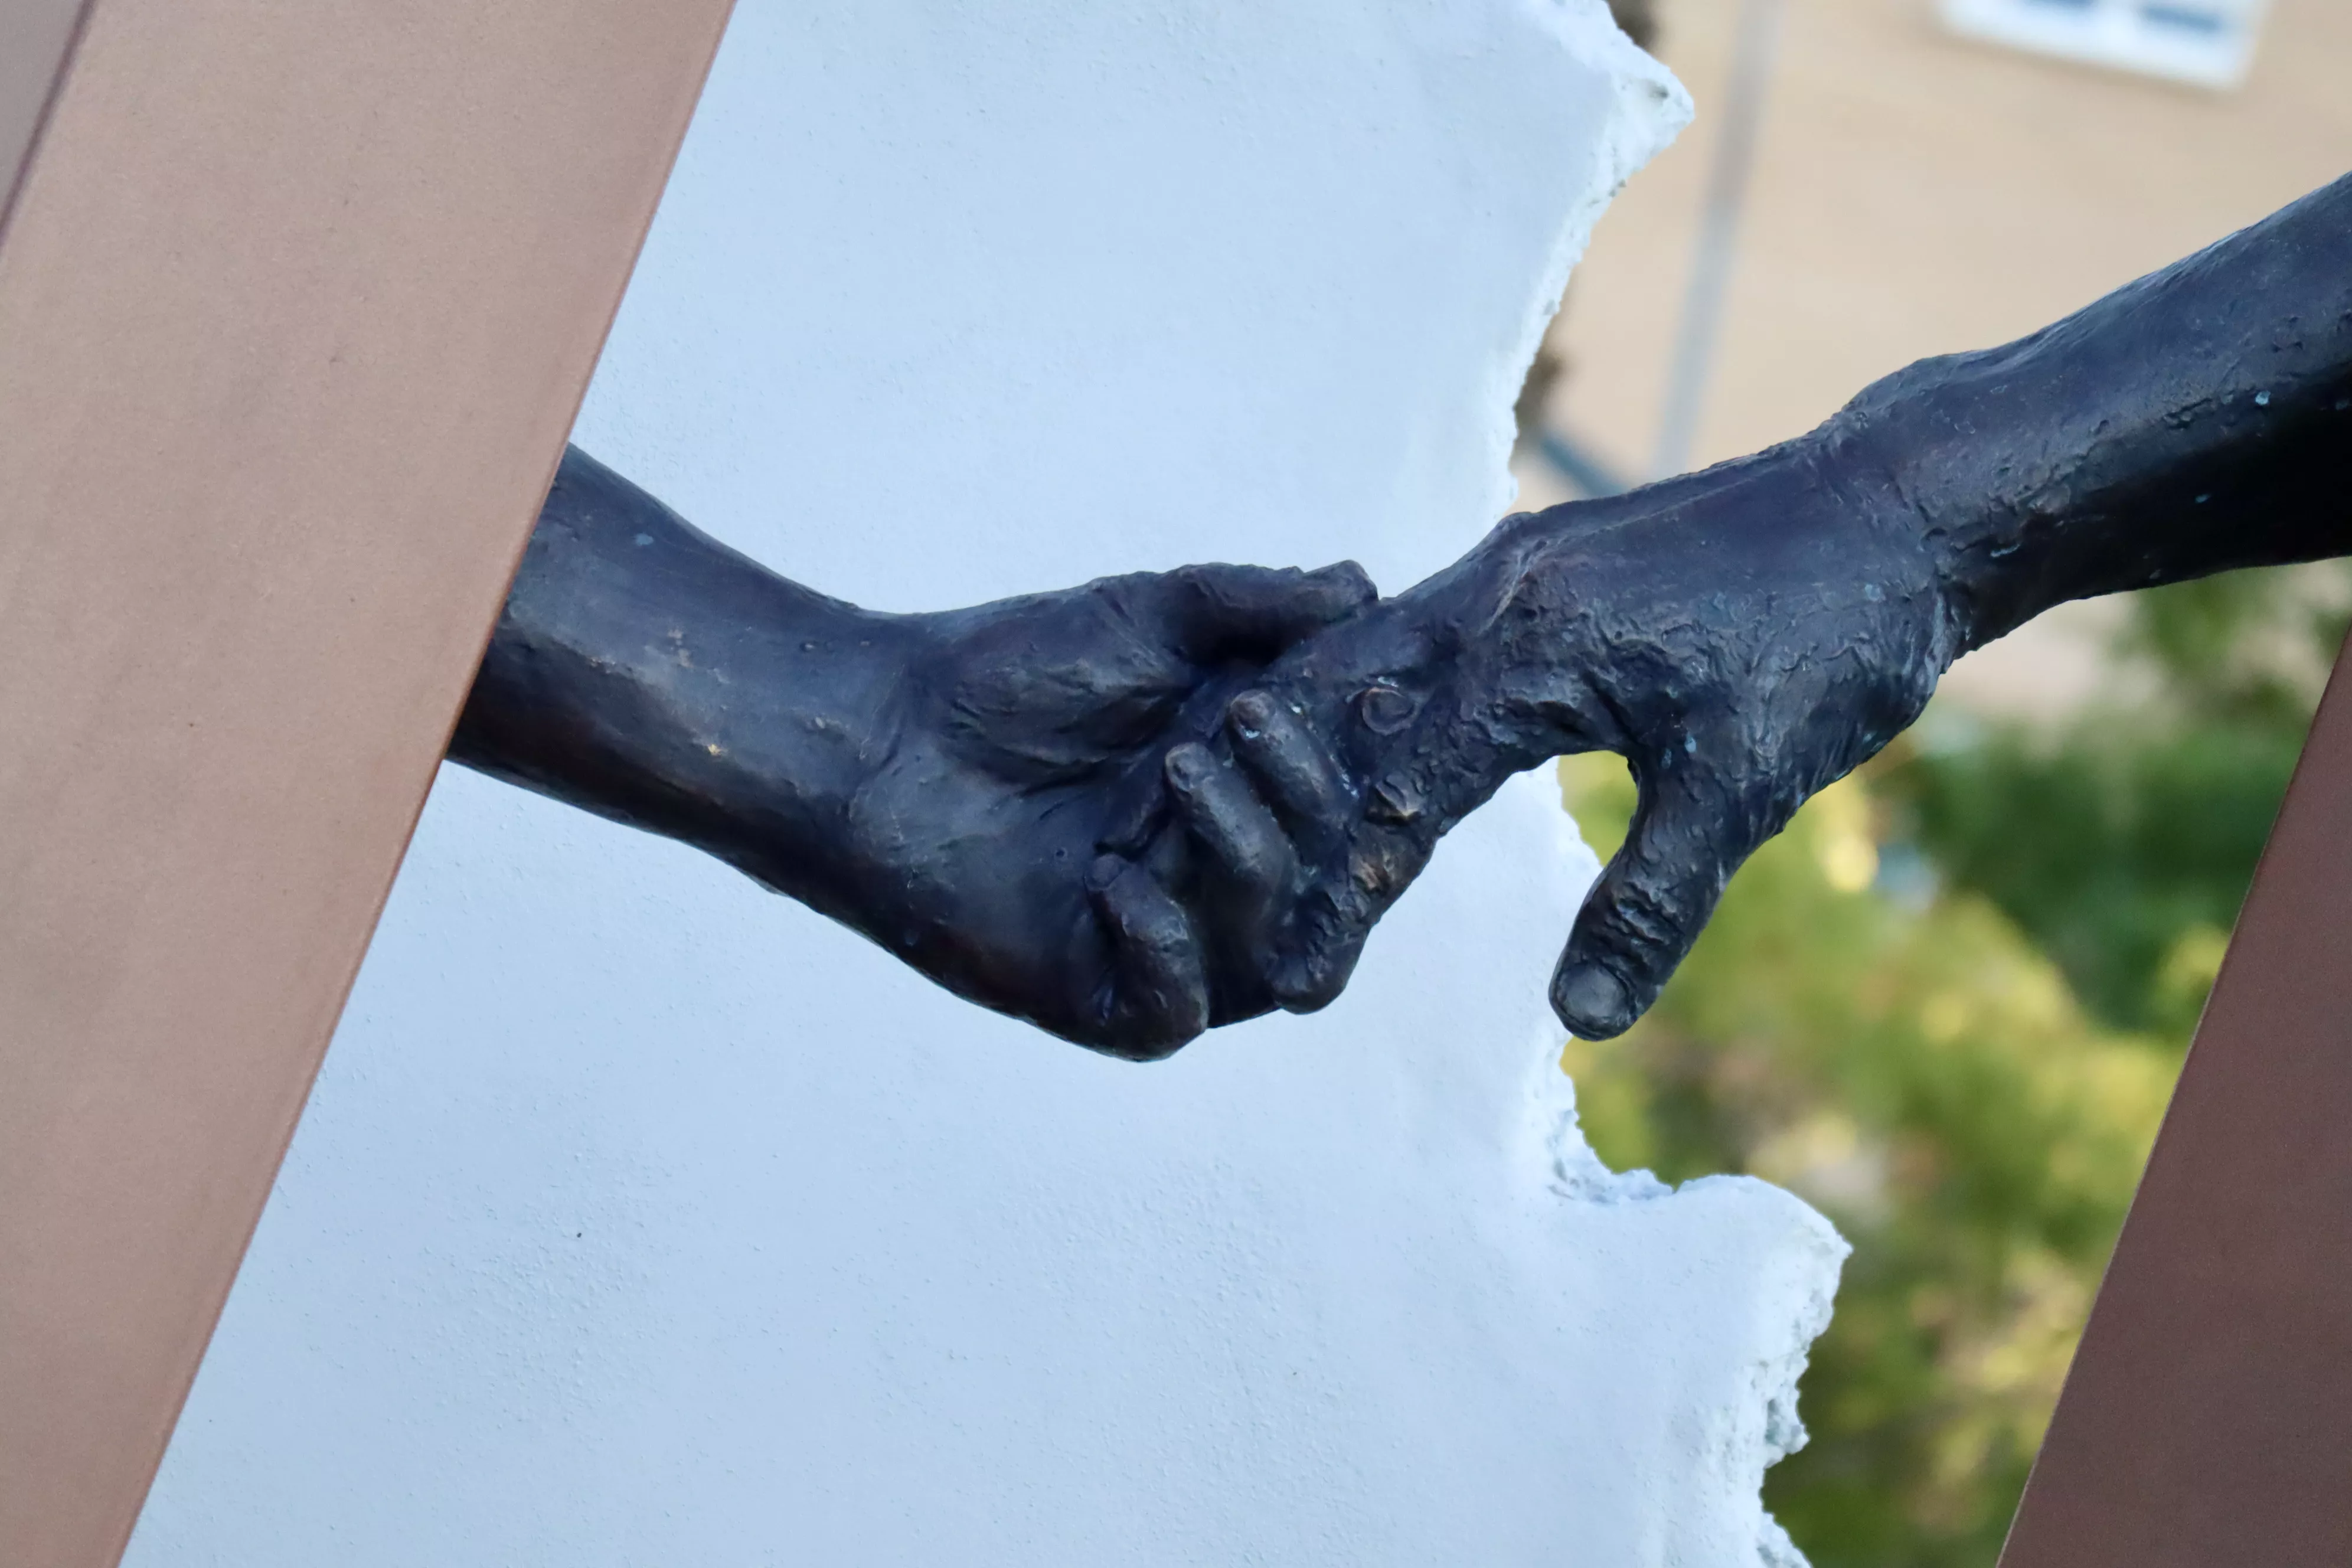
<point>812,707</point>
<point>1897,464</point>
<point>1435,697</point>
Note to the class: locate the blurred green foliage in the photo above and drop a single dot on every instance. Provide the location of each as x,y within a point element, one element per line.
<point>1947,1006</point>
<point>2122,842</point>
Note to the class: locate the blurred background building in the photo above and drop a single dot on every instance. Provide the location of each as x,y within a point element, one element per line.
<point>1948,1005</point>
<point>1915,191</point>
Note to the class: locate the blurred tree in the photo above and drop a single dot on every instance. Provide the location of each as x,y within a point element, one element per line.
<point>1947,1006</point>
<point>2122,843</point>
<point>1923,1076</point>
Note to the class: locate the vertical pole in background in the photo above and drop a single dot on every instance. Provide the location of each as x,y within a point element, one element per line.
<point>297,306</point>
<point>2208,1416</point>
<point>1701,323</point>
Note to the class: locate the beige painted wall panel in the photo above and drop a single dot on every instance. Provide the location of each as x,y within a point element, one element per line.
<point>296,307</point>
<point>1918,193</point>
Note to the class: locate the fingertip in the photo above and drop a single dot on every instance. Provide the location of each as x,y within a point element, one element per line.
<point>1690,831</point>
<point>1188,766</point>
<point>1344,588</point>
<point>1595,1003</point>
<point>1304,985</point>
<point>1250,713</point>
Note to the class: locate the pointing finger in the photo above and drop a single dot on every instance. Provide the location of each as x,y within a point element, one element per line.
<point>1691,832</point>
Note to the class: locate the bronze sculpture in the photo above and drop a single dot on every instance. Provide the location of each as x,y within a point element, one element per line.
<point>939,783</point>
<point>1136,809</point>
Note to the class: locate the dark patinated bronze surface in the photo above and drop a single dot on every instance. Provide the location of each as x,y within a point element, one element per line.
<point>1747,634</point>
<point>1135,809</point>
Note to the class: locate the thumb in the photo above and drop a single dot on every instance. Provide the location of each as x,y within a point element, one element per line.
<point>1221,612</point>
<point>1692,830</point>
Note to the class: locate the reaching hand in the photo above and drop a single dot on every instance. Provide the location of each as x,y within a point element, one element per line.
<point>1135,809</point>
<point>1743,637</point>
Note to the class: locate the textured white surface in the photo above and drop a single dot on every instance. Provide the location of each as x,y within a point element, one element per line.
<point>641,1217</point>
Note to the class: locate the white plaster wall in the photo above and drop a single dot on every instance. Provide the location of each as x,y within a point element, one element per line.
<point>643,1217</point>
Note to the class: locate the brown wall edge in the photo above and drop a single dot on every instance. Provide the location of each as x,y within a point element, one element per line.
<point>296,307</point>
<point>2208,1415</point>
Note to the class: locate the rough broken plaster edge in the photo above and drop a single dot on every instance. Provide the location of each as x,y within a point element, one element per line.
<point>1651,109</point>
<point>1765,1427</point>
